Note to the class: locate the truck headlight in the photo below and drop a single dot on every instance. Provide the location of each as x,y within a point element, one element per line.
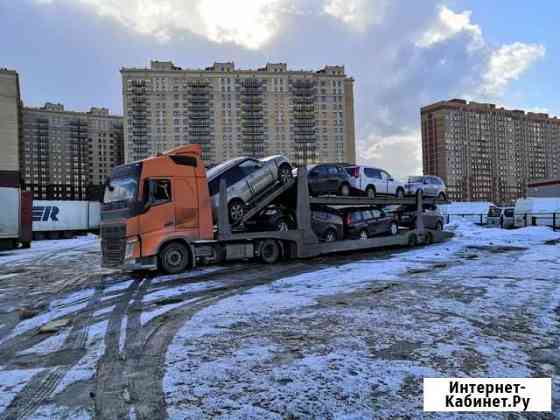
<point>130,248</point>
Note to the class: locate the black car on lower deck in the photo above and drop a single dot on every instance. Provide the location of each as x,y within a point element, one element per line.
<point>326,223</point>
<point>363,223</point>
<point>272,218</point>
<point>328,178</point>
<point>406,216</point>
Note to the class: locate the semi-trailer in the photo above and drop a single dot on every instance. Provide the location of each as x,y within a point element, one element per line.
<point>54,219</point>
<point>15,218</point>
<point>158,214</point>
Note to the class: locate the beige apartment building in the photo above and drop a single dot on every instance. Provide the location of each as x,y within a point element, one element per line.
<point>67,155</point>
<point>306,115</point>
<point>485,153</point>
<point>10,128</point>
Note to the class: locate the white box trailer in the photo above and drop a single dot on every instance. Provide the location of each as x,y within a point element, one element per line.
<point>537,211</point>
<point>55,218</point>
<point>15,218</point>
<point>475,211</point>
<point>10,214</point>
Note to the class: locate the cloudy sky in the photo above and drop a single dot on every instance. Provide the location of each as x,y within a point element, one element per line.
<point>402,54</point>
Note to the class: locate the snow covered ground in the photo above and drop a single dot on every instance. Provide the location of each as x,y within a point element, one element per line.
<point>332,338</point>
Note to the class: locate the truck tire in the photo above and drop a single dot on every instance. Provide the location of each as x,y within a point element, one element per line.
<point>174,258</point>
<point>270,251</point>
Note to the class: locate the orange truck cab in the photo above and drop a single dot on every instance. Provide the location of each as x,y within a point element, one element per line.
<point>155,209</point>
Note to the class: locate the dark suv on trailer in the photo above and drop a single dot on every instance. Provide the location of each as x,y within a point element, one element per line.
<point>363,223</point>
<point>328,178</point>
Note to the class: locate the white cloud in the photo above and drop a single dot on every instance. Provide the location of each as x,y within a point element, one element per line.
<point>507,64</point>
<point>359,14</point>
<point>399,154</point>
<point>248,23</point>
<point>450,24</point>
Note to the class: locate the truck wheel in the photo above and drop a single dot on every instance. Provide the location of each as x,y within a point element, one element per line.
<point>393,229</point>
<point>370,191</point>
<point>345,190</point>
<point>330,235</point>
<point>270,251</point>
<point>236,210</point>
<point>174,258</point>
<point>284,173</point>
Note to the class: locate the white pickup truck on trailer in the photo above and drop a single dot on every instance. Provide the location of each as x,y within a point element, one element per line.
<point>57,218</point>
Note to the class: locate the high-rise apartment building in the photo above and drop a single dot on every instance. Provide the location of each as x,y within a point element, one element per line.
<point>307,116</point>
<point>67,155</point>
<point>488,153</point>
<point>10,129</point>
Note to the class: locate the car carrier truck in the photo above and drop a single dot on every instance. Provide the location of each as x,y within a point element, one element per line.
<point>157,213</point>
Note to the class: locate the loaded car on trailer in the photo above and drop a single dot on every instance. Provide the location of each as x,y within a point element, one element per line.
<point>164,218</point>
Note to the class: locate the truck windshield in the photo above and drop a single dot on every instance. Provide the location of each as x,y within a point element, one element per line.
<point>121,189</point>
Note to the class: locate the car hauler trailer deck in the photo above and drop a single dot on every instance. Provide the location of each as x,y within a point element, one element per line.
<point>155,234</point>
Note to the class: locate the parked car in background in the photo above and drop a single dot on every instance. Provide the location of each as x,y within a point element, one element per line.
<point>432,186</point>
<point>508,220</point>
<point>373,181</point>
<point>363,223</point>
<point>406,216</point>
<point>328,178</point>
<point>245,179</point>
<point>494,216</point>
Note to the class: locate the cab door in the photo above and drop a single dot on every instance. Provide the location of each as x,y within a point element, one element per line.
<point>158,220</point>
<point>186,205</point>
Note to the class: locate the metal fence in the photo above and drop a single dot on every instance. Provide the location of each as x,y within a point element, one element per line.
<point>527,219</point>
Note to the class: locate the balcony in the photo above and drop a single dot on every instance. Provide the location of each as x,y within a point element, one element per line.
<point>304,92</point>
<point>252,115</point>
<point>304,116</point>
<point>200,116</point>
<point>305,139</point>
<point>199,108</point>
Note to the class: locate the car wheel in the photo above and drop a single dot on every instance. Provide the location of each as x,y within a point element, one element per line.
<point>284,173</point>
<point>270,251</point>
<point>345,190</point>
<point>364,235</point>
<point>370,191</point>
<point>282,225</point>
<point>400,193</point>
<point>442,196</point>
<point>439,226</point>
<point>330,235</point>
<point>236,210</point>
<point>174,258</point>
<point>393,229</point>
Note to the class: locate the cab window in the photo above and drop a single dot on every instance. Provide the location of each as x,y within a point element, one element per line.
<point>161,191</point>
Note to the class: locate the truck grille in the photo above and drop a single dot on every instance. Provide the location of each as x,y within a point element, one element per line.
<point>113,244</point>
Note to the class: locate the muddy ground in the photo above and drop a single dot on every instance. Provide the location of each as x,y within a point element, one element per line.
<point>347,336</point>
